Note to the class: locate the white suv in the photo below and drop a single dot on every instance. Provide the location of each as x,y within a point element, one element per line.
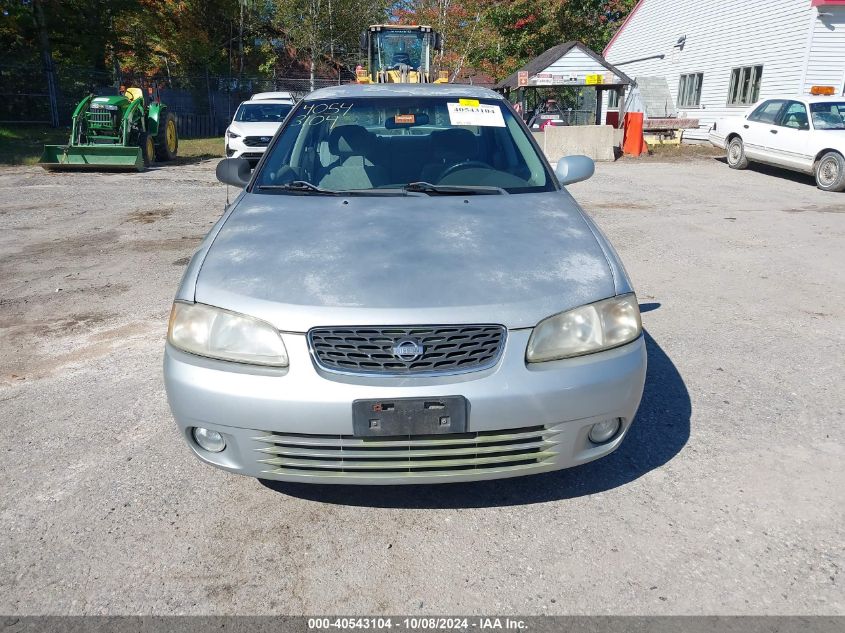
<point>254,124</point>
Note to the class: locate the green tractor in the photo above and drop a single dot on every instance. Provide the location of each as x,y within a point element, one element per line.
<point>116,132</point>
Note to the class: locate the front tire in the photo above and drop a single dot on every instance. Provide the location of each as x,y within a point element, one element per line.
<point>736,154</point>
<point>830,172</point>
<point>167,140</point>
<point>145,141</point>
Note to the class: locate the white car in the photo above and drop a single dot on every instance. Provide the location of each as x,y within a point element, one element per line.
<point>805,134</point>
<point>254,124</point>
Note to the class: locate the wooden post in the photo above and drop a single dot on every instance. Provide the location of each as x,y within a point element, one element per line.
<point>621,93</point>
<point>524,112</point>
<point>599,98</point>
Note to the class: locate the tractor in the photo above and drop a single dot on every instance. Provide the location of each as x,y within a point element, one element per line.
<point>399,54</point>
<point>117,132</point>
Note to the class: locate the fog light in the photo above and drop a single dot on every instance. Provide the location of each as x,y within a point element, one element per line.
<point>602,432</point>
<point>210,440</point>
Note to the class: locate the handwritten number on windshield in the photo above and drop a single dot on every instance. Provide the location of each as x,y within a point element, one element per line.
<point>320,113</point>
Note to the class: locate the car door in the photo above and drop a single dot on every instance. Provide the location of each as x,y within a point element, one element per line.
<point>756,132</point>
<point>791,142</point>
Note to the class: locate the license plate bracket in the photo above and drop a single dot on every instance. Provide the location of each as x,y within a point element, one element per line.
<point>409,416</point>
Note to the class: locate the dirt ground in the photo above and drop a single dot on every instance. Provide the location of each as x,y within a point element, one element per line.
<point>726,498</point>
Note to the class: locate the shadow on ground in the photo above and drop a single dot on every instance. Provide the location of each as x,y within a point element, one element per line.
<point>184,160</point>
<point>660,431</point>
<point>778,172</point>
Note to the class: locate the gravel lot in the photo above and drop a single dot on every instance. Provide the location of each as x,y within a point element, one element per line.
<point>725,498</point>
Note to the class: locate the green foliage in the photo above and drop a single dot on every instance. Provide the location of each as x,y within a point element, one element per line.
<point>192,37</point>
<point>327,29</point>
<point>508,34</point>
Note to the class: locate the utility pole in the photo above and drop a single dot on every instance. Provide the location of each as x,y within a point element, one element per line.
<point>241,3</point>
<point>47,59</point>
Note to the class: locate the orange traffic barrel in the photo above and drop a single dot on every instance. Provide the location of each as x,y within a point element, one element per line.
<point>634,144</point>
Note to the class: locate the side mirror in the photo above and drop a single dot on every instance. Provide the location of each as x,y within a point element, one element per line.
<point>438,42</point>
<point>234,171</point>
<point>572,169</point>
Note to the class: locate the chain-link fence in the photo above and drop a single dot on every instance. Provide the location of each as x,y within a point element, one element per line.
<point>203,104</point>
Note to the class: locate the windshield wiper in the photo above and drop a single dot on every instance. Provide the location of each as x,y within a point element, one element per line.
<point>379,192</point>
<point>453,190</point>
<point>300,186</point>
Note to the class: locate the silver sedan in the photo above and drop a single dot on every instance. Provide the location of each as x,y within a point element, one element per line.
<point>404,292</point>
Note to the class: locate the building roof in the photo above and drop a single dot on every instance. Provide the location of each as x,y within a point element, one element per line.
<point>403,90</point>
<point>546,59</point>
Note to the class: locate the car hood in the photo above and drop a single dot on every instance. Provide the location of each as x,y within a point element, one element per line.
<point>245,128</point>
<point>305,261</point>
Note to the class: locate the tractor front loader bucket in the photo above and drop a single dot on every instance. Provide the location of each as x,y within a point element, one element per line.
<point>95,157</point>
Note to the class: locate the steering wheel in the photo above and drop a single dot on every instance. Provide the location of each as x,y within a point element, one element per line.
<point>467,164</point>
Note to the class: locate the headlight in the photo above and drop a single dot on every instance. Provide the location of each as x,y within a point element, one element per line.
<point>231,134</point>
<point>207,331</point>
<point>585,330</point>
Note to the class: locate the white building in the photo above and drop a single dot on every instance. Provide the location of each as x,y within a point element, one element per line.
<point>720,56</point>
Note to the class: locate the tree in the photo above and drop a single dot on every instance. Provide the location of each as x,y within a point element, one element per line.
<point>462,23</point>
<point>326,28</point>
<point>526,28</point>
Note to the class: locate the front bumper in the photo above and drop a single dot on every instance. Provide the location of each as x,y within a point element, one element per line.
<point>296,424</point>
<point>236,148</point>
<point>717,139</point>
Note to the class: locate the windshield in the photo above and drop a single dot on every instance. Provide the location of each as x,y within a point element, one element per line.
<point>387,143</point>
<point>828,116</point>
<point>263,112</point>
<point>394,47</point>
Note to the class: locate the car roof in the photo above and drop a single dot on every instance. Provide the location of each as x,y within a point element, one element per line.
<point>269,96</point>
<point>822,98</point>
<point>805,98</point>
<point>403,90</point>
<point>267,101</point>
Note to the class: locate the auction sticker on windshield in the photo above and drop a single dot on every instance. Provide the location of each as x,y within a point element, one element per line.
<point>471,112</point>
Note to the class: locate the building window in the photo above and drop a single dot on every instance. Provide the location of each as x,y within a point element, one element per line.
<point>689,90</point>
<point>612,100</point>
<point>745,85</point>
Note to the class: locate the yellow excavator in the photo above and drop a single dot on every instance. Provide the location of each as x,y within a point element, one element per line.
<point>399,54</point>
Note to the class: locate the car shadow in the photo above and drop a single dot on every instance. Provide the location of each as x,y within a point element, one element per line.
<point>779,172</point>
<point>181,161</point>
<point>660,431</point>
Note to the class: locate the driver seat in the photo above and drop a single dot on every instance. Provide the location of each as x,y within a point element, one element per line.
<point>798,121</point>
<point>133,94</point>
<point>450,147</point>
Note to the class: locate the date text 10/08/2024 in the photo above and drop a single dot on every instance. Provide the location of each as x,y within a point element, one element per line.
<point>417,624</point>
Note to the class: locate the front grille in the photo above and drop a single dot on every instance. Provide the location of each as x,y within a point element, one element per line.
<point>370,350</point>
<point>99,119</point>
<point>256,141</point>
<point>527,448</point>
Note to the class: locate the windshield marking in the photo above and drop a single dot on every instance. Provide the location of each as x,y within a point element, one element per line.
<point>316,114</point>
<point>463,113</point>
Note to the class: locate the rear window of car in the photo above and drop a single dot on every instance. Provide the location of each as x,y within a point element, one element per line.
<point>828,116</point>
<point>262,112</point>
